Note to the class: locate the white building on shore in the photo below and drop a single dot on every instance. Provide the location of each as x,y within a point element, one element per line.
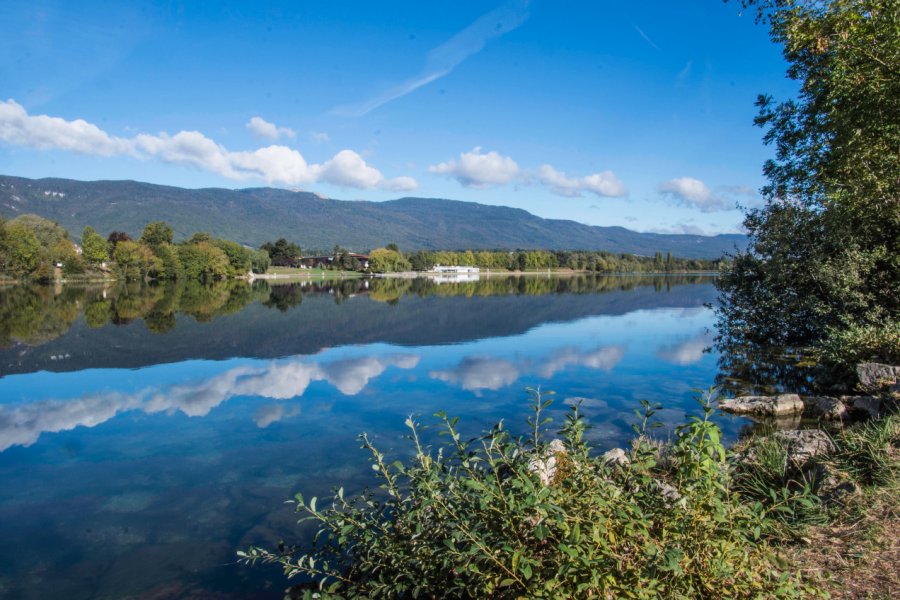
<point>454,270</point>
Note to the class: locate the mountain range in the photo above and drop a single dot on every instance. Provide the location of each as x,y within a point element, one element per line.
<point>255,215</point>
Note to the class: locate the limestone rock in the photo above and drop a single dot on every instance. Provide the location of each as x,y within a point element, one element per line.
<point>783,404</point>
<point>874,375</point>
<point>866,406</point>
<point>616,456</point>
<point>804,444</point>
<point>826,407</point>
<point>545,465</point>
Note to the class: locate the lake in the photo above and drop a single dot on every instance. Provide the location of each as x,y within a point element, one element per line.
<point>147,433</point>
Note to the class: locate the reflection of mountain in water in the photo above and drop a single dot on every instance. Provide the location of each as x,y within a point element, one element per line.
<point>40,328</point>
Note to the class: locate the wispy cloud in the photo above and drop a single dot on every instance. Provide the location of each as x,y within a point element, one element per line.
<point>275,164</point>
<point>684,73</point>
<point>645,36</point>
<point>441,60</point>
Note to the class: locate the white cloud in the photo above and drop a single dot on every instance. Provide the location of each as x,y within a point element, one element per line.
<point>262,128</point>
<point>444,58</point>
<point>604,184</point>
<point>682,229</point>
<point>44,132</point>
<point>349,169</point>
<point>693,192</point>
<point>475,373</point>
<point>687,352</point>
<point>478,170</point>
<point>604,358</point>
<point>400,184</point>
<point>275,164</point>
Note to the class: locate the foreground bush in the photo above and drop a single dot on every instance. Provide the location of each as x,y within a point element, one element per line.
<point>502,517</point>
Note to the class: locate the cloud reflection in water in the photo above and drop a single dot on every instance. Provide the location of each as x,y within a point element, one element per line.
<point>23,424</point>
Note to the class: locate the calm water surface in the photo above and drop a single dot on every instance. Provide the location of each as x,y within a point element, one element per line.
<point>148,433</point>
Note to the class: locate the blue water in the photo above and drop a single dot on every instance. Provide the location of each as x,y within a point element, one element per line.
<point>134,463</point>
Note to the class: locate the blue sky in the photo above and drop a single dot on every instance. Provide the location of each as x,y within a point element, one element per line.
<point>636,114</point>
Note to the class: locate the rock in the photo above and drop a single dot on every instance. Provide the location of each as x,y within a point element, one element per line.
<point>804,444</point>
<point>868,407</point>
<point>545,466</point>
<point>825,407</point>
<point>875,375</point>
<point>616,456</point>
<point>783,404</point>
<point>668,491</point>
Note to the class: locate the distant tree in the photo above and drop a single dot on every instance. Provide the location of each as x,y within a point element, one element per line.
<point>283,253</point>
<point>238,256</point>
<point>203,261</point>
<point>157,233</point>
<point>393,246</point>
<point>260,261</point>
<point>169,264</point>
<point>421,261</point>
<point>115,237</point>
<point>134,260</point>
<point>94,248</point>
<point>64,253</point>
<point>382,260</point>
<point>22,253</point>
<point>48,233</point>
<point>200,236</point>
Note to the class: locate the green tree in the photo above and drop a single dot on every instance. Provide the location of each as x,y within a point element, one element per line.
<point>203,261</point>
<point>157,233</point>
<point>135,260</point>
<point>282,253</point>
<point>94,248</point>
<point>169,265</point>
<point>823,257</point>
<point>238,257</point>
<point>260,261</point>
<point>47,232</point>
<point>22,253</point>
<point>382,260</point>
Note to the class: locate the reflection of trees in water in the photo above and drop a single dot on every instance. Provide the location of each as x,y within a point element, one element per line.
<point>32,314</point>
<point>284,297</point>
<point>390,289</point>
<point>746,368</point>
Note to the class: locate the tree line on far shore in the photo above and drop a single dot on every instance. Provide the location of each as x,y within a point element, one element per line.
<point>36,249</point>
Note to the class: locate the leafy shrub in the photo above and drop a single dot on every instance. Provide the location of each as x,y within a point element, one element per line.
<point>484,519</point>
<point>848,346</point>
